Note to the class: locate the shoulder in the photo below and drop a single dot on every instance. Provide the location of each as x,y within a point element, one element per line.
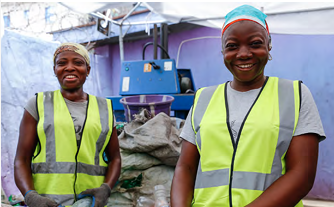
<point>31,107</point>
<point>45,92</point>
<point>209,89</point>
<point>98,98</point>
<point>309,118</point>
<point>31,101</point>
<point>306,91</point>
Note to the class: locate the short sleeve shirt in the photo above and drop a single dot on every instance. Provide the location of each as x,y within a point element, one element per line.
<point>240,102</point>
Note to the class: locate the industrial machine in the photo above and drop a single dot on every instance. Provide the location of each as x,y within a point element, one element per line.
<point>157,76</point>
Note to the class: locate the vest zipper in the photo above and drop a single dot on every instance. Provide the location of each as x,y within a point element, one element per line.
<point>235,144</point>
<point>76,155</point>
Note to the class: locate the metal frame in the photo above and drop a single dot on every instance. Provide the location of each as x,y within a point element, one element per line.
<point>123,23</point>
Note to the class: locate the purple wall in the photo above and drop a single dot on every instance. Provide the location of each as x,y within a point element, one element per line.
<point>302,57</point>
<point>202,56</point>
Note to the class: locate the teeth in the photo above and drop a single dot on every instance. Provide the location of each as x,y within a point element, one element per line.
<point>70,76</point>
<point>245,66</point>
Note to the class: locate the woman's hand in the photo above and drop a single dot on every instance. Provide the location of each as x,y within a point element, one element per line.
<point>33,199</point>
<point>100,195</point>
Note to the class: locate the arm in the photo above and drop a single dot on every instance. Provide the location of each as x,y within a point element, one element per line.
<point>185,174</point>
<point>301,164</point>
<point>25,150</point>
<point>113,154</point>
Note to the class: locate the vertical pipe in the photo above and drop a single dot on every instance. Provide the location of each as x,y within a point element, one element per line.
<point>162,54</point>
<point>121,48</point>
<point>164,40</point>
<point>155,39</point>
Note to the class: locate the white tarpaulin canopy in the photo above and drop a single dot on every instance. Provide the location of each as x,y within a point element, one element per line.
<point>311,18</point>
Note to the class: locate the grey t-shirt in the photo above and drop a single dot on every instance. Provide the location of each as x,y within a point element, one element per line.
<point>240,102</point>
<point>76,109</point>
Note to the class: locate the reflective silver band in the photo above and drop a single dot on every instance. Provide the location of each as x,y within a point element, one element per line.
<point>212,178</point>
<point>202,104</point>
<point>50,145</point>
<point>199,140</point>
<point>287,121</point>
<point>253,180</point>
<point>104,120</point>
<point>92,169</point>
<point>68,167</point>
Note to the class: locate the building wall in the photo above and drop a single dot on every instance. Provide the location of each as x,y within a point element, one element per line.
<point>39,18</point>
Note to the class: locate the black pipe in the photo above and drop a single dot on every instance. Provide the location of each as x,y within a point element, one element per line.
<point>151,43</point>
<point>155,39</point>
<point>164,40</point>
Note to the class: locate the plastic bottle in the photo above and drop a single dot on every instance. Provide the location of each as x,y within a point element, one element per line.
<point>145,202</point>
<point>160,196</point>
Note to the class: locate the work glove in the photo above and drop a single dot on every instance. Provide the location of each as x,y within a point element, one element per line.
<point>33,199</point>
<point>100,195</point>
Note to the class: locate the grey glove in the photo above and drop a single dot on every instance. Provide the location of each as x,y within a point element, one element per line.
<point>100,195</point>
<point>33,199</point>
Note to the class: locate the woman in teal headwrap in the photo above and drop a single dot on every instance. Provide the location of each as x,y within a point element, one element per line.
<point>252,141</point>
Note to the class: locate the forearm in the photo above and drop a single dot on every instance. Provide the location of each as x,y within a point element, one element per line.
<point>113,172</point>
<point>182,187</point>
<point>23,175</point>
<point>301,164</point>
<point>287,191</point>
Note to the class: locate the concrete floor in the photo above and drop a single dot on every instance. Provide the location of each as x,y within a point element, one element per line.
<point>317,203</point>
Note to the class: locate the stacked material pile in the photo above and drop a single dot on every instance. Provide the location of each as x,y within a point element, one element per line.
<point>150,149</point>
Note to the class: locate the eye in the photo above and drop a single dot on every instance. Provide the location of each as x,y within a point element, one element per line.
<point>231,46</point>
<point>61,63</point>
<point>256,44</point>
<point>78,63</point>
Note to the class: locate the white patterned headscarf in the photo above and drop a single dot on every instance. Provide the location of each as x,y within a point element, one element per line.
<point>75,47</point>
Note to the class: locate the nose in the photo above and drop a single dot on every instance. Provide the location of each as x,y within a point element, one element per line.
<point>244,53</point>
<point>69,66</point>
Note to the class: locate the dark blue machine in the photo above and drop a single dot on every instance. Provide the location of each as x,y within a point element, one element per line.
<point>149,77</point>
<point>156,77</point>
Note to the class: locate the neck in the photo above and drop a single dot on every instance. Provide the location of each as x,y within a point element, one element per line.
<point>246,86</point>
<point>77,95</point>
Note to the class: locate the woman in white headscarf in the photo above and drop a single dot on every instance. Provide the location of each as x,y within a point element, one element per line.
<point>68,146</point>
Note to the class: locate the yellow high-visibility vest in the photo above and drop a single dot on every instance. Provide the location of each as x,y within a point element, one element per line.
<point>61,169</point>
<point>234,173</point>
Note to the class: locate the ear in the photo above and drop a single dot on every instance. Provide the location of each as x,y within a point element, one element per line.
<point>54,70</point>
<point>269,46</point>
<point>269,43</point>
<point>88,69</point>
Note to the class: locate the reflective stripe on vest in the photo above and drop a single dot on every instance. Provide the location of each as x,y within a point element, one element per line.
<point>60,168</point>
<point>235,173</point>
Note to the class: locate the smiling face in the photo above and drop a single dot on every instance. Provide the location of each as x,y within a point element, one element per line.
<point>71,70</point>
<point>245,51</point>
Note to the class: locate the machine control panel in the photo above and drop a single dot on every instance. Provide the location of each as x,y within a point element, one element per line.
<point>149,77</point>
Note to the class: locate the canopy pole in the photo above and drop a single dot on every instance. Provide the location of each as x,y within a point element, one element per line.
<point>120,37</point>
<point>121,47</point>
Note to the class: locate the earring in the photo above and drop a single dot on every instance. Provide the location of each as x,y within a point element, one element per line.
<point>269,57</point>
